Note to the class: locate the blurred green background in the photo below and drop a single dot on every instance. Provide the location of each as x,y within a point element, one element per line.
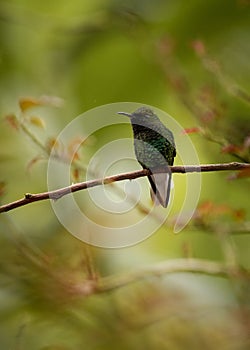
<point>190,59</point>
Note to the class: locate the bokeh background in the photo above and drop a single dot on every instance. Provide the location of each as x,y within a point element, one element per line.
<point>59,59</point>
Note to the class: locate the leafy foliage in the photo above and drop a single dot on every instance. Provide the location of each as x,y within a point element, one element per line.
<point>191,60</point>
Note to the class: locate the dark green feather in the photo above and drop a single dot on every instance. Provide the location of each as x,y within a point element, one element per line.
<point>154,148</point>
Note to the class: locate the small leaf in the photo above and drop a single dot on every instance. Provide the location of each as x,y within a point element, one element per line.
<point>198,47</point>
<point>2,188</point>
<point>193,130</point>
<point>74,146</point>
<point>52,143</point>
<point>76,156</point>
<point>244,173</point>
<point>239,214</point>
<point>204,208</point>
<point>37,121</point>
<point>33,162</point>
<point>231,148</point>
<point>76,175</point>
<point>28,102</point>
<point>12,120</point>
<point>211,209</point>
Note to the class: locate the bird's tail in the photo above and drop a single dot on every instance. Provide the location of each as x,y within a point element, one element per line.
<point>160,187</point>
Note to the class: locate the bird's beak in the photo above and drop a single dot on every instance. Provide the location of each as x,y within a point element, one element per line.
<point>125,113</point>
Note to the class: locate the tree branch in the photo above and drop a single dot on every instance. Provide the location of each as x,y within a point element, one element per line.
<point>190,265</point>
<point>57,194</point>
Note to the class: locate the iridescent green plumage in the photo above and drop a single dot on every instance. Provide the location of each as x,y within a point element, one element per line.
<point>154,148</point>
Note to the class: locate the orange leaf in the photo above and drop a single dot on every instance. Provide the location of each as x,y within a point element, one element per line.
<point>193,130</point>
<point>73,147</point>
<point>12,121</point>
<point>230,149</point>
<point>205,207</point>
<point>39,122</point>
<point>76,174</point>
<point>2,188</point>
<point>28,102</point>
<point>240,174</point>
<point>76,156</point>
<point>208,208</point>
<point>239,214</point>
<point>34,161</point>
<point>53,143</point>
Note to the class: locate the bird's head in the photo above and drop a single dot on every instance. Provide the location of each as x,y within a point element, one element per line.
<point>142,112</point>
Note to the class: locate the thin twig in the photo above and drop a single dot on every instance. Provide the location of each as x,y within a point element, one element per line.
<point>33,137</point>
<point>192,265</point>
<point>57,194</point>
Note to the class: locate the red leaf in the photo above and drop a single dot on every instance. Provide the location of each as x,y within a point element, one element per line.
<point>193,130</point>
<point>230,148</point>
<point>12,120</point>
<point>211,209</point>
<point>198,47</point>
<point>239,214</point>
<point>2,188</point>
<point>240,174</point>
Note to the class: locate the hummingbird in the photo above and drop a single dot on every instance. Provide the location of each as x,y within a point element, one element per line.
<point>154,149</point>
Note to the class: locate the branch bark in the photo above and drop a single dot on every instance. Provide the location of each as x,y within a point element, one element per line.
<point>57,194</point>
